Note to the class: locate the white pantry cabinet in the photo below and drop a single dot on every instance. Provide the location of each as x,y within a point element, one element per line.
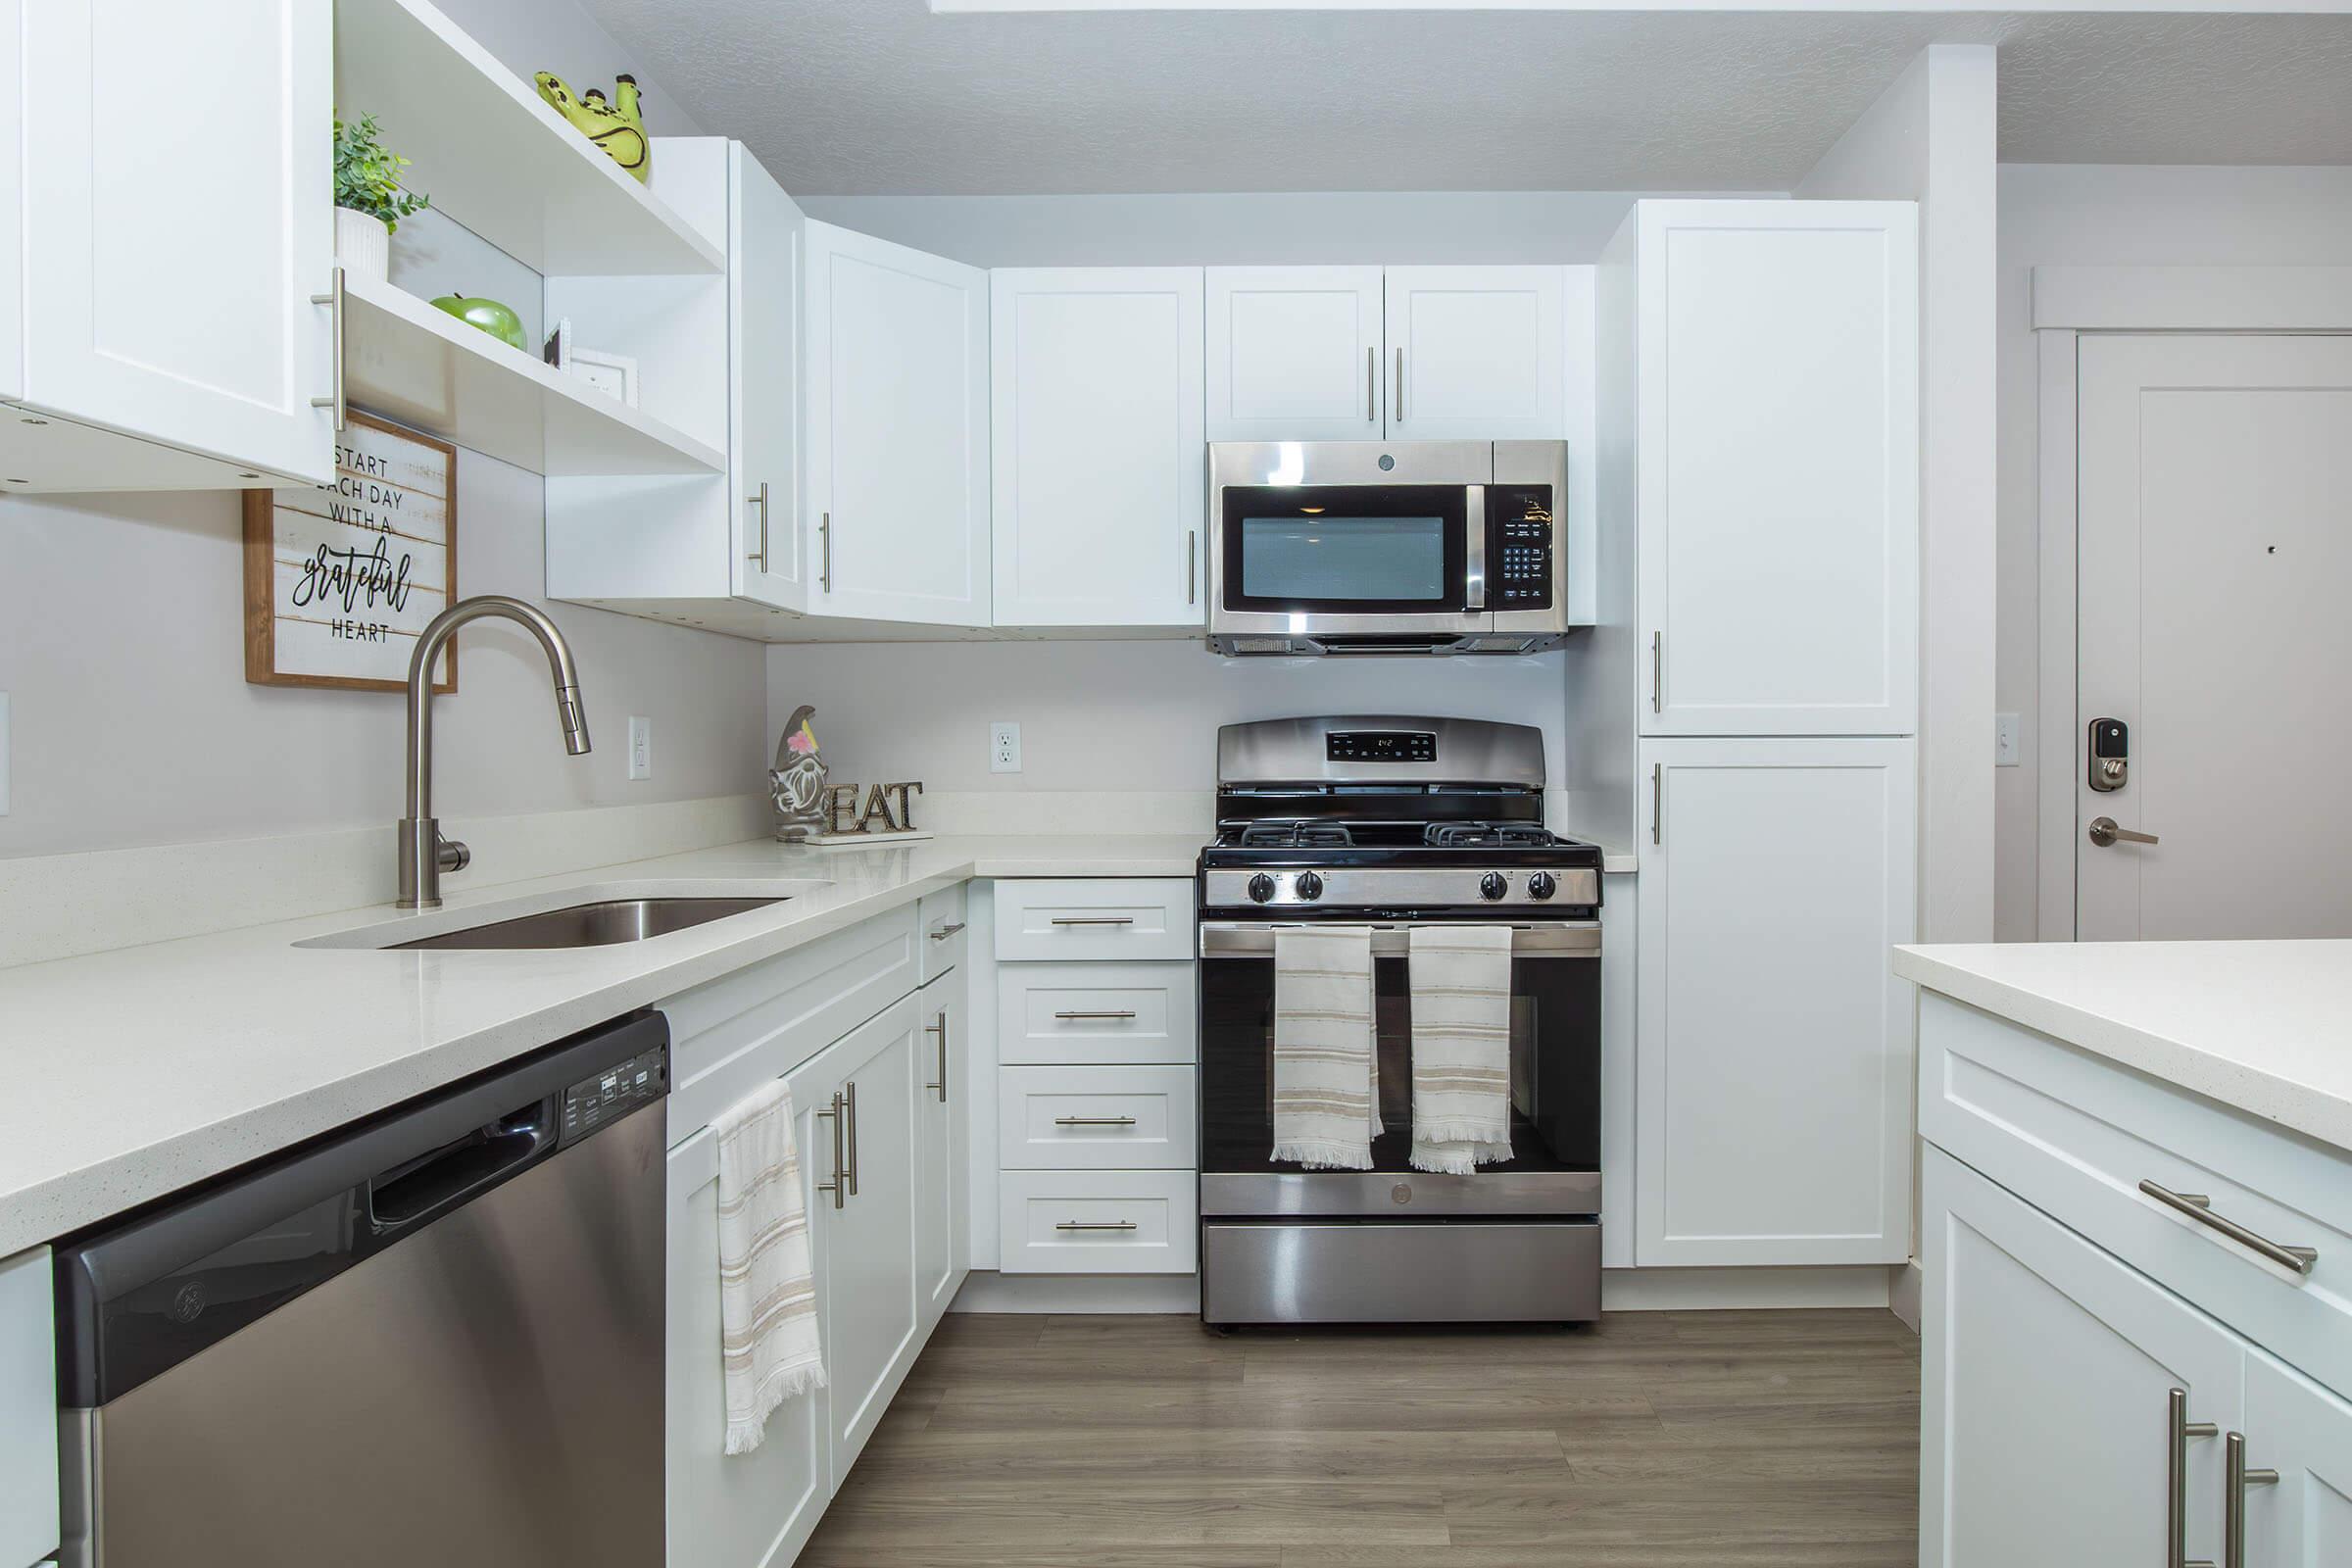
<point>897,516</point>
<point>1293,354</point>
<point>177,311</point>
<point>1773,381</point>
<point>28,1496</point>
<point>1099,476</point>
<point>1773,1044</point>
<point>1476,354</point>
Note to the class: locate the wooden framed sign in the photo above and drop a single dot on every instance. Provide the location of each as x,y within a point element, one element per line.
<point>340,581</point>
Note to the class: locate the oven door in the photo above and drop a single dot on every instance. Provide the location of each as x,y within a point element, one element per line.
<point>1555,1087</point>
<point>1310,540</point>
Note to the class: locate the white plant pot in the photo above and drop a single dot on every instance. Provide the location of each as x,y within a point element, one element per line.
<point>363,244</point>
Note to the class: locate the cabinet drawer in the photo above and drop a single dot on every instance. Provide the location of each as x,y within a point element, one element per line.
<point>2012,1103</point>
<point>1068,1013</point>
<point>1094,917</point>
<point>1095,1118</point>
<point>1096,1221</point>
<point>940,922</point>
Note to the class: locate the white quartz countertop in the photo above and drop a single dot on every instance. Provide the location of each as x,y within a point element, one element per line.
<point>130,1074</point>
<point>2265,1027</point>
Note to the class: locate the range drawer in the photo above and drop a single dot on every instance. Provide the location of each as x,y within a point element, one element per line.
<point>1094,917</point>
<point>2020,1107</point>
<point>940,919</point>
<point>1095,1118</point>
<point>1069,1013</point>
<point>1096,1221</point>
<point>1292,1271</point>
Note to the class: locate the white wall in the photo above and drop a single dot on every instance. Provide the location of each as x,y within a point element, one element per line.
<point>1931,138</point>
<point>2099,214</point>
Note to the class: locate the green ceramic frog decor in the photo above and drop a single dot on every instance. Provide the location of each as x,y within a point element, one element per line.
<point>619,132</point>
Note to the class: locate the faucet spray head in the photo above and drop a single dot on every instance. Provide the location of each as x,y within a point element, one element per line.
<point>574,719</point>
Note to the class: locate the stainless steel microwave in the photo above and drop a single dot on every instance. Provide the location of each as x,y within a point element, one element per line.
<point>1387,547</point>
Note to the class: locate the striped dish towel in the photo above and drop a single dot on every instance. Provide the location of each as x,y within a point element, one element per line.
<point>766,1283</point>
<point>1326,1073</point>
<point>1462,980</point>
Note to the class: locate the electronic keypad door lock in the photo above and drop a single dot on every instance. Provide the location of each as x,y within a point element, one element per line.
<point>2110,754</point>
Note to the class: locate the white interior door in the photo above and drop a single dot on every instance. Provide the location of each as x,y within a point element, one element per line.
<point>1476,354</point>
<point>2214,569</point>
<point>763,300</point>
<point>1293,354</point>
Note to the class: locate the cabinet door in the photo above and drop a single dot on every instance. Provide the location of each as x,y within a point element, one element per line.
<point>2298,1428</point>
<point>174,304</point>
<point>870,1318</point>
<point>897,515</point>
<point>748,1510</point>
<point>1778,433</point>
<point>2046,1373</point>
<point>1476,354</point>
<point>763,308</point>
<point>942,1228</point>
<point>1293,354</point>
<point>1101,478</point>
<point>27,1407</point>
<point>1774,1042</point>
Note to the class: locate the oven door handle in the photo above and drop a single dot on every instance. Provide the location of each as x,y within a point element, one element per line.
<point>1254,939</point>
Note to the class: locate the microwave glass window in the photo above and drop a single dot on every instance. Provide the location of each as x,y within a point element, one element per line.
<point>1334,559</point>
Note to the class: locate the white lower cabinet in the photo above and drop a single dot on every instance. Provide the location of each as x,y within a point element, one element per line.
<point>1099,1222</point>
<point>2304,1433</point>
<point>28,1408</point>
<point>942,1241</point>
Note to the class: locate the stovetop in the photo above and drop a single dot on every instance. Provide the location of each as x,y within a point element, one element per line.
<point>1320,833</point>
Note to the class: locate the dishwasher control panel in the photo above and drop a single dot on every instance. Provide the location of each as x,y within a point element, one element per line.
<point>615,1092</point>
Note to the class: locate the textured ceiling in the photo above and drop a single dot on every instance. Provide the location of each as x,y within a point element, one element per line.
<point>843,97</point>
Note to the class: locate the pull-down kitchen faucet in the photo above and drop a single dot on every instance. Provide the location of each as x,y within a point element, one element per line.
<point>423,853</point>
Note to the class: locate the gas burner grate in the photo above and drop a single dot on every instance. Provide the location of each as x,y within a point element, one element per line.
<point>1481,835</point>
<point>1296,835</point>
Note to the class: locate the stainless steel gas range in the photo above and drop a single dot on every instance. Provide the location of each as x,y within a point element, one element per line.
<point>1394,823</point>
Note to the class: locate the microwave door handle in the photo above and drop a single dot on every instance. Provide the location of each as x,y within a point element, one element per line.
<point>1474,566</point>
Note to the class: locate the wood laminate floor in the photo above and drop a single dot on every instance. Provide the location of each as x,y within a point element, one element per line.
<point>1655,1438</point>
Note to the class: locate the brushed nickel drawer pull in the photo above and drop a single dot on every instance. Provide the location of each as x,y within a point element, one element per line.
<point>1093,920</point>
<point>1093,1122</point>
<point>942,933</point>
<point>2200,1207</point>
<point>1096,1225</point>
<point>2177,1429</point>
<point>1112,1013</point>
<point>2235,1479</point>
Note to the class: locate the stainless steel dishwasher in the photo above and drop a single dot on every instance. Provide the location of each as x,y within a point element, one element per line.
<point>434,1337</point>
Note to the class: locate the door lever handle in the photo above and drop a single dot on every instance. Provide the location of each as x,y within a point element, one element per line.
<point>2104,833</point>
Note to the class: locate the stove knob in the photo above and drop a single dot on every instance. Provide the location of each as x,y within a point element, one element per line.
<point>1493,885</point>
<point>1541,885</point>
<point>1309,885</point>
<point>1262,888</point>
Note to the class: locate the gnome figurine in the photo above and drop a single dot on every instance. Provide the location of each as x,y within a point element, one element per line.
<point>798,780</point>
<point>620,131</point>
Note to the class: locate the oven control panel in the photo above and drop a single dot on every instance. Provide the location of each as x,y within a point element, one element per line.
<point>1379,746</point>
<point>1341,888</point>
<point>1520,527</point>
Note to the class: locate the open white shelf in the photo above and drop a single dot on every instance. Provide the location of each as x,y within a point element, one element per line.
<point>423,366</point>
<point>495,158</point>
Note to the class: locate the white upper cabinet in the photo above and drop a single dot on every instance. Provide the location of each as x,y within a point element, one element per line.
<point>763,302</point>
<point>1295,354</point>
<point>1776,397</point>
<point>1775,1052</point>
<point>168,304</point>
<point>1476,354</point>
<point>1100,472</point>
<point>897,515</point>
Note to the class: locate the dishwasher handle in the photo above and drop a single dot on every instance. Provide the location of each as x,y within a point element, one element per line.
<point>416,1189</point>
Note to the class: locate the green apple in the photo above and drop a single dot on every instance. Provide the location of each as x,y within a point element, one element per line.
<point>499,320</point>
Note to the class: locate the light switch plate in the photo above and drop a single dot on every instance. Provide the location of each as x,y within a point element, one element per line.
<point>641,748</point>
<point>1003,747</point>
<point>2004,740</point>
<point>3,753</point>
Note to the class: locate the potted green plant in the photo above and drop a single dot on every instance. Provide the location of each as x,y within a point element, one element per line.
<point>370,201</point>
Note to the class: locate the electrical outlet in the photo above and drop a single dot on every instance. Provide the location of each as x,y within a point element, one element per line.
<point>1003,747</point>
<point>2004,740</point>
<point>641,748</point>
<point>3,753</point>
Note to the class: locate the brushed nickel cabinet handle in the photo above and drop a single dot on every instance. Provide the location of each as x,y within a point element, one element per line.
<point>2177,1429</point>
<point>333,299</point>
<point>2200,1207</point>
<point>1093,920</point>
<point>1191,565</point>
<point>1657,671</point>
<point>940,1029</point>
<point>850,1115</point>
<point>1096,1225</point>
<point>761,501</point>
<point>1657,803</point>
<point>1093,1122</point>
<point>834,1186</point>
<point>1396,403</point>
<point>2235,1479</point>
<point>943,932</point>
<point>1077,1014</point>
<point>1371,384</point>
<point>825,551</point>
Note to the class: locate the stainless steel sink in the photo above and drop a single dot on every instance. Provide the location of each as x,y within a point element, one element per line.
<point>589,925</point>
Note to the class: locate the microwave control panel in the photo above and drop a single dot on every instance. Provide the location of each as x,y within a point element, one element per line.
<point>1520,529</point>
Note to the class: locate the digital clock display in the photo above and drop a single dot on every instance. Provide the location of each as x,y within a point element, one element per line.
<point>1379,746</point>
